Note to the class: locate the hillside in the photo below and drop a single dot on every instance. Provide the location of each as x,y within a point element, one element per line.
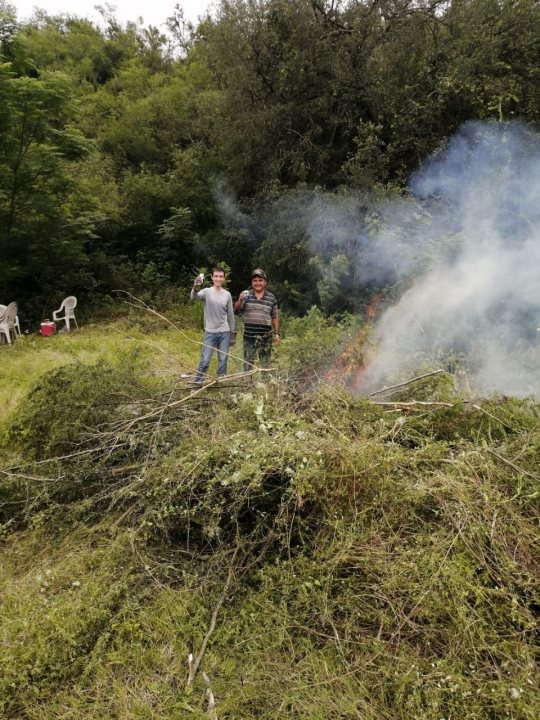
<point>269,547</point>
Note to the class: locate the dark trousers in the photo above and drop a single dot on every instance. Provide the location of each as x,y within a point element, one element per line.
<point>257,345</point>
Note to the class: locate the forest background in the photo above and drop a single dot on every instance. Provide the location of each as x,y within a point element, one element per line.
<point>131,158</point>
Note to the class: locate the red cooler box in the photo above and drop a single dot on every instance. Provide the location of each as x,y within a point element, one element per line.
<point>47,328</point>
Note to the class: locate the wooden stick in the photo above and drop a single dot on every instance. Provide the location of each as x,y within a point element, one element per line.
<point>54,459</point>
<point>211,710</point>
<point>412,403</point>
<point>141,305</point>
<point>384,391</point>
<point>125,468</point>
<point>512,465</point>
<point>190,396</point>
<point>493,417</point>
<point>196,661</point>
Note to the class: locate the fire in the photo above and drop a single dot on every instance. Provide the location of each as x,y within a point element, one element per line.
<point>349,366</point>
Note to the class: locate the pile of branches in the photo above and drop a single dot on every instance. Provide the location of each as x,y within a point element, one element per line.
<point>396,531</point>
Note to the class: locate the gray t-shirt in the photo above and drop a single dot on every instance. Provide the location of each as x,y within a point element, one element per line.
<point>218,309</point>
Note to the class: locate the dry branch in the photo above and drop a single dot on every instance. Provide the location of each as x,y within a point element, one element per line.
<point>386,390</point>
<point>211,710</point>
<point>53,459</point>
<point>141,305</point>
<point>513,465</point>
<point>493,417</point>
<point>413,403</point>
<point>196,661</point>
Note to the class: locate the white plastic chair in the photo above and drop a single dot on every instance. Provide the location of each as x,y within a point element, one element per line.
<point>8,319</point>
<point>17,324</point>
<point>68,308</point>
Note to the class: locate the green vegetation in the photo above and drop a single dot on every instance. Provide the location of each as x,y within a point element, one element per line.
<point>319,556</point>
<point>272,544</point>
<point>125,151</point>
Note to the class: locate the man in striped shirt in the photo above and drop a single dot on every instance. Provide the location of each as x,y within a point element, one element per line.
<point>261,320</point>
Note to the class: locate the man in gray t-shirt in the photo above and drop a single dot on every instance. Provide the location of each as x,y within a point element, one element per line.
<point>218,322</point>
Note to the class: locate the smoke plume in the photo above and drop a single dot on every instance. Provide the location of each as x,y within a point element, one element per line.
<point>478,298</point>
<point>460,252</point>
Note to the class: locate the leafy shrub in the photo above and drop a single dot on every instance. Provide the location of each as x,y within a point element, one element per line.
<point>67,404</point>
<point>309,341</point>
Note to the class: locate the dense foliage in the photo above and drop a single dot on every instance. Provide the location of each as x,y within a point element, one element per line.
<point>129,157</point>
<point>317,556</point>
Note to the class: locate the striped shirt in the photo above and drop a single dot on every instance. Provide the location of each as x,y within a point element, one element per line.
<point>258,314</point>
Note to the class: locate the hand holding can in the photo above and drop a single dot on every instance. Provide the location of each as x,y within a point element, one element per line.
<point>199,279</point>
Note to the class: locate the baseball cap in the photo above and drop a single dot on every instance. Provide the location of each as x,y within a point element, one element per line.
<point>258,272</point>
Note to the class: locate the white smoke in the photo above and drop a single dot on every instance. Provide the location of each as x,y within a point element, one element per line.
<point>480,299</point>
<point>466,244</point>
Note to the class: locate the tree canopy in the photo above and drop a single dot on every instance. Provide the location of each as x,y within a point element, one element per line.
<point>129,157</point>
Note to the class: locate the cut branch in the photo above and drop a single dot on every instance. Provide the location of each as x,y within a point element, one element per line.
<point>387,390</point>
<point>493,417</point>
<point>211,710</point>
<point>512,465</point>
<point>194,665</point>
<point>413,403</point>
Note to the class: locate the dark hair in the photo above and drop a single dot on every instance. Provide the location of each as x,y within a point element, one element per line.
<point>218,269</point>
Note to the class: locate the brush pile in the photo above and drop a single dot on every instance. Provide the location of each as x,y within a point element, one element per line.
<point>313,555</point>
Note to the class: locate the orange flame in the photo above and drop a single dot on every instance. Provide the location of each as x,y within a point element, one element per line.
<point>349,366</point>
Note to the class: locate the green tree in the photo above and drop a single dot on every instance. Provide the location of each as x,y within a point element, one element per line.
<point>42,231</point>
<point>273,65</point>
<point>356,92</point>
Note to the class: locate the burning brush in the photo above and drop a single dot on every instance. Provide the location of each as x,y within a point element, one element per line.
<point>350,365</point>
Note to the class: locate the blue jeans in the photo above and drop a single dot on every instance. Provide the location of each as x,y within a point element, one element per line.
<point>218,341</point>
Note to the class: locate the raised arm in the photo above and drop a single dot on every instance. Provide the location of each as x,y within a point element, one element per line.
<point>239,304</point>
<point>197,283</point>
